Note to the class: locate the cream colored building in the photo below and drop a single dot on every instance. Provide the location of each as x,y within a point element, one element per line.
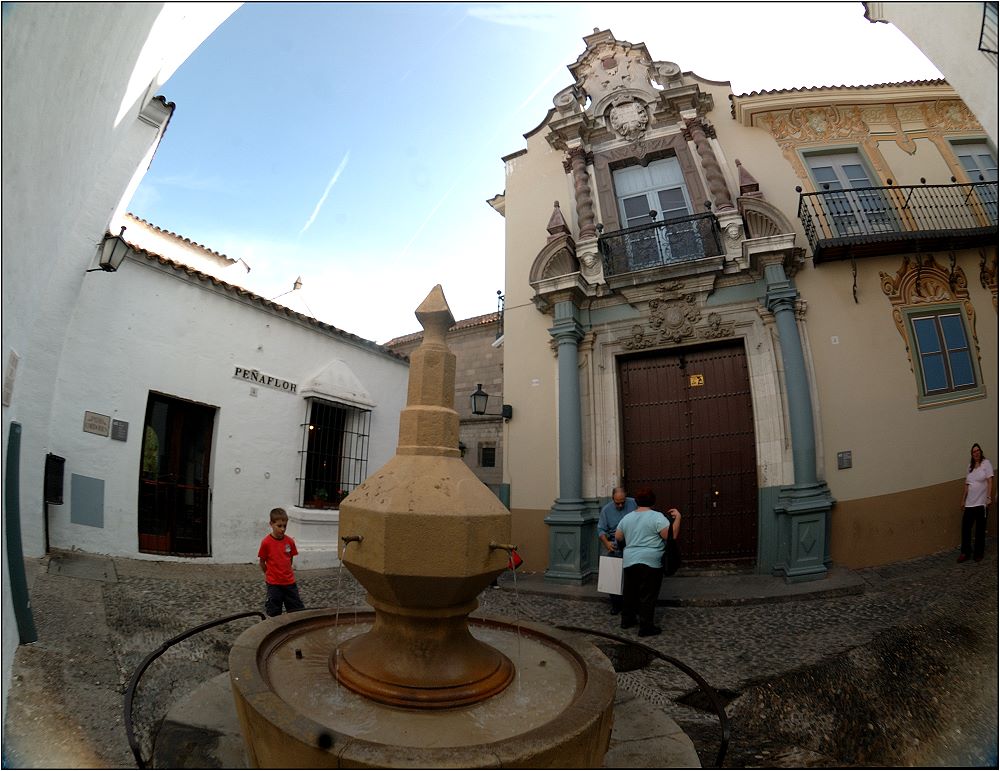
<point>735,300</point>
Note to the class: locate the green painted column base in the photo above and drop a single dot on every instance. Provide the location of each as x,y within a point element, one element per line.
<point>572,538</point>
<point>803,515</point>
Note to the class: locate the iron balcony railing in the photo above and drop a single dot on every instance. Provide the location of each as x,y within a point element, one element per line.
<point>868,221</point>
<point>660,243</point>
<point>988,32</point>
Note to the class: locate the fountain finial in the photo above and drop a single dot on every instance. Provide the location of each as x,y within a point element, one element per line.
<point>435,316</point>
<point>429,424</point>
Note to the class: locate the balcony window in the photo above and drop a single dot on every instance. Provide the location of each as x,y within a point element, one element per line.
<point>651,193</point>
<point>856,205</point>
<point>980,165</point>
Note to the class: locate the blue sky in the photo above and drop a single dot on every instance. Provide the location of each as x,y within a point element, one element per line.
<point>355,145</point>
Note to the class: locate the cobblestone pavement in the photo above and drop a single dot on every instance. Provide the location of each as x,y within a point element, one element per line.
<point>902,674</point>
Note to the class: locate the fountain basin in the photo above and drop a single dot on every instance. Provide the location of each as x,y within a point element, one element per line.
<point>556,713</point>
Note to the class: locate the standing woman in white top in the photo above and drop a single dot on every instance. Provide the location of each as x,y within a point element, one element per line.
<point>977,496</point>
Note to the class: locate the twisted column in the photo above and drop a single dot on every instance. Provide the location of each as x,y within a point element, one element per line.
<point>577,162</point>
<point>713,172</point>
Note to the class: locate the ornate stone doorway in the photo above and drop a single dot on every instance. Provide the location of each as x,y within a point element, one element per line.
<point>688,433</point>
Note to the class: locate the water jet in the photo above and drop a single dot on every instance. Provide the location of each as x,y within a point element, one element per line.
<point>418,682</point>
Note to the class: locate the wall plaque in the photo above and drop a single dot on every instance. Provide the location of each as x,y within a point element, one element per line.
<point>95,423</point>
<point>119,430</point>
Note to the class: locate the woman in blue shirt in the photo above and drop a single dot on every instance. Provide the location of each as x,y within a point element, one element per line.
<point>644,531</point>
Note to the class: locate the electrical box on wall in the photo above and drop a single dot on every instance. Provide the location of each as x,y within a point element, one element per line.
<point>54,471</point>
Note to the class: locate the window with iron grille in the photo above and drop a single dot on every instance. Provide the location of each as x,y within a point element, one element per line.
<point>487,456</point>
<point>334,452</point>
<point>944,362</point>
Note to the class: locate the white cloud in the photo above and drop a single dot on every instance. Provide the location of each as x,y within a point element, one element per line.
<point>329,187</point>
<point>529,15</point>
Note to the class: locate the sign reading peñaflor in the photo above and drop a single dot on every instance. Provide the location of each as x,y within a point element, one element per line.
<point>256,376</point>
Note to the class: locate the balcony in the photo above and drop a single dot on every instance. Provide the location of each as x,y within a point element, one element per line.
<point>660,244</point>
<point>871,221</point>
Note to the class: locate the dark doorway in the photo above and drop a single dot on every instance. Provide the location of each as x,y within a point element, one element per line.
<point>174,494</point>
<point>687,421</point>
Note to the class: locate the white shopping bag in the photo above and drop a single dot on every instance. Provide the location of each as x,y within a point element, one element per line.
<point>609,575</point>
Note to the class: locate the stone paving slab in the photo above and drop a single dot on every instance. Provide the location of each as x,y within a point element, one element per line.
<point>707,590</point>
<point>78,565</point>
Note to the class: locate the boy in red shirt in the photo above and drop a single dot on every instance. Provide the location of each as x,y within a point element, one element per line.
<point>276,553</point>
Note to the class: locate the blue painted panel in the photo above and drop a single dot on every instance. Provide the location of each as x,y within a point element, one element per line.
<point>86,501</point>
<point>767,530</point>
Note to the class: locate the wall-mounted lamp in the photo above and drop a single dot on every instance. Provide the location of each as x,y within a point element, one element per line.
<point>113,251</point>
<point>479,398</point>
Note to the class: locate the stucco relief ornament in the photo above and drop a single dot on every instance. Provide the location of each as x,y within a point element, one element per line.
<point>716,328</point>
<point>637,341</point>
<point>817,122</point>
<point>628,120</point>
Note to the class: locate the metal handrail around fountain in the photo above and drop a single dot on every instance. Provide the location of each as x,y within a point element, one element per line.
<point>720,709</point>
<point>134,683</point>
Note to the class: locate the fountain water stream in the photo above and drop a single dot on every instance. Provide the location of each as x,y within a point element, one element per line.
<point>423,685</point>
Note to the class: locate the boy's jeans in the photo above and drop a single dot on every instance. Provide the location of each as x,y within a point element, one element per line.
<point>278,595</point>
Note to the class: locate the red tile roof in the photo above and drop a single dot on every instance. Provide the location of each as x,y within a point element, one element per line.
<point>256,299</point>
<point>475,321</point>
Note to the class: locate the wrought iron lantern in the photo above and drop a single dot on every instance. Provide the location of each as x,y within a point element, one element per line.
<point>113,251</point>
<point>479,398</point>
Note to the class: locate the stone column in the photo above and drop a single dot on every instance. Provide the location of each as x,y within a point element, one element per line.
<point>803,508</point>
<point>577,163</point>
<point>572,520</point>
<point>713,172</point>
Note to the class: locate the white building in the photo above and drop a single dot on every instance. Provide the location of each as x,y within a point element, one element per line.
<point>187,407</point>
<point>228,382</point>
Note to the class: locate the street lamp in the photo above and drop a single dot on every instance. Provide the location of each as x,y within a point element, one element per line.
<point>479,397</point>
<point>113,251</point>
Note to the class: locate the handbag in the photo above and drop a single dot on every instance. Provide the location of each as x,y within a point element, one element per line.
<point>671,552</point>
<point>609,575</point>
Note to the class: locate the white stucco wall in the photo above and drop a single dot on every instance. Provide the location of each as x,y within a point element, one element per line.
<point>185,339</point>
<point>75,76</point>
<point>948,35</point>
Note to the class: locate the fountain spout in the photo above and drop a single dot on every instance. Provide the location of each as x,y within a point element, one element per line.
<point>507,547</point>
<point>349,538</point>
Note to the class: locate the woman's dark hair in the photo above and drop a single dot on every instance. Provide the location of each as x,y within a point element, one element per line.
<point>972,460</point>
<point>645,496</point>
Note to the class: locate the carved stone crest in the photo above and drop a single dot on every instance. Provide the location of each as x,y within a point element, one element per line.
<point>628,120</point>
<point>675,321</point>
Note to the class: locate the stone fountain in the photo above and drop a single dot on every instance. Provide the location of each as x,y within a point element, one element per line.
<point>420,683</point>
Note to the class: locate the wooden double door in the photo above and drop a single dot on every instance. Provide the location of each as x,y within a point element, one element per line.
<point>688,433</point>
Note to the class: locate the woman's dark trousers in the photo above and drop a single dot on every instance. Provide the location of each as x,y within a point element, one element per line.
<point>977,515</point>
<point>640,591</point>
